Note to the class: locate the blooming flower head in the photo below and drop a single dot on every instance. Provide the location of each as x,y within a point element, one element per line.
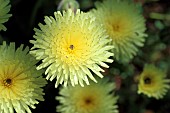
<point>93,98</point>
<point>4,16</point>
<point>71,47</point>
<point>152,82</point>
<point>20,82</point>
<point>124,25</point>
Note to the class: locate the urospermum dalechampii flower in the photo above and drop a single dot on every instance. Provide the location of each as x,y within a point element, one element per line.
<point>124,25</point>
<point>93,98</point>
<point>20,82</point>
<point>153,82</point>
<point>4,9</point>
<point>71,46</point>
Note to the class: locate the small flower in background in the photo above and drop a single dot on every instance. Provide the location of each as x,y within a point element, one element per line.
<point>153,82</point>
<point>124,24</point>
<point>68,4</point>
<point>4,16</point>
<point>71,46</point>
<point>20,82</point>
<point>94,98</point>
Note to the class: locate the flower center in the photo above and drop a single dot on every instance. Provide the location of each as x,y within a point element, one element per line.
<point>7,82</point>
<point>88,101</point>
<point>71,47</point>
<point>116,28</point>
<point>147,80</point>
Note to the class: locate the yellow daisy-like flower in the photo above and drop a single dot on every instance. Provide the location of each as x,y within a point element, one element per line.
<point>94,98</point>
<point>153,82</point>
<point>71,47</point>
<point>124,25</point>
<point>20,82</point>
<point>4,16</point>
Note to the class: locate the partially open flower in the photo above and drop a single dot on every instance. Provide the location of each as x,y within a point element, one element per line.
<point>4,16</point>
<point>94,98</point>
<point>68,4</point>
<point>20,82</point>
<point>124,24</point>
<point>71,47</point>
<point>153,82</point>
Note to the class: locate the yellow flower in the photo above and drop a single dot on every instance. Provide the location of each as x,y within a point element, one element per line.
<point>153,82</point>
<point>71,47</point>
<point>94,98</point>
<point>4,9</point>
<point>20,82</point>
<point>124,25</point>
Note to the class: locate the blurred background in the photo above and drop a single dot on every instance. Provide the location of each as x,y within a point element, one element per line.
<point>26,14</point>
